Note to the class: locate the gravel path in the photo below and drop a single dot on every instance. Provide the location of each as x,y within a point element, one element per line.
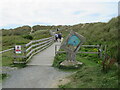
<point>38,73</point>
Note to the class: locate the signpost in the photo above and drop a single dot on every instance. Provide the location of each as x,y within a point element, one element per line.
<point>71,45</point>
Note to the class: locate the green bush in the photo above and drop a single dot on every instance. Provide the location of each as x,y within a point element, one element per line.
<point>58,59</point>
<point>28,37</point>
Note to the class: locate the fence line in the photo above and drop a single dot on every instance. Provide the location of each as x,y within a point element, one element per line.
<point>36,45</point>
<point>6,50</point>
<point>32,48</point>
<point>99,47</point>
<point>37,52</point>
<point>37,48</point>
<point>26,44</point>
<point>34,41</point>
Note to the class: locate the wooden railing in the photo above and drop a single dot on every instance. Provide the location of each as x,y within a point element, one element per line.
<point>32,48</point>
<point>99,49</point>
<point>6,50</point>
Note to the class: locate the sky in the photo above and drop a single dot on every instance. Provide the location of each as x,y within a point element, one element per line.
<point>15,13</point>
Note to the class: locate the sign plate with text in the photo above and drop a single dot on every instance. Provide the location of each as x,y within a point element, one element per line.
<point>73,42</point>
<point>18,49</point>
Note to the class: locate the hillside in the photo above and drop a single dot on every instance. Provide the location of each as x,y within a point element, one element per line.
<point>101,33</point>
<point>91,73</point>
<point>95,33</point>
<point>98,33</point>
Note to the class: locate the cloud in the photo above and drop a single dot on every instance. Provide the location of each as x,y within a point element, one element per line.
<point>54,12</point>
<point>78,12</point>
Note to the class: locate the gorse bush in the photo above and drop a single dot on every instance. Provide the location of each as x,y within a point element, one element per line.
<point>24,30</point>
<point>28,37</point>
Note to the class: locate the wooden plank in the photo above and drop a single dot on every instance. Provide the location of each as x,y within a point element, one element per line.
<point>29,58</point>
<point>7,50</point>
<point>89,52</point>
<point>78,52</point>
<point>42,48</point>
<point>34,41</point>
<point>19,56</point>
<point>90,45</point>
<point>37,44</point>
<point>37,48</point>
<point>55,49</point>
<point>60,52</point>
<point>42,39</point>
<point>19,62</point>
<point>101,50</point>
<point>37,52</point>
<point>84,45</point>
<point>29,43</point>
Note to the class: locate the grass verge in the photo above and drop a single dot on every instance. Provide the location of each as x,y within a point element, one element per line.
<point>90,75</point>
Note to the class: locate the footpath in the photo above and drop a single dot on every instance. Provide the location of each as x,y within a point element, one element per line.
<point>38,74</point>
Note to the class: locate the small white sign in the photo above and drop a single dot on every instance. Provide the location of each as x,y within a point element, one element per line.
<point>18,49</point>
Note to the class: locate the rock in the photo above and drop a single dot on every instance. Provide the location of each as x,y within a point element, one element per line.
<point>68,63</point>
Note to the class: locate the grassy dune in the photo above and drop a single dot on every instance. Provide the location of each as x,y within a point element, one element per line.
<point>21,39</point>
<point>90,75</point>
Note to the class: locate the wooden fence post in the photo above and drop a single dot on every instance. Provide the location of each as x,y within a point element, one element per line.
<point>105,49</point>
<point>14,54</point>
<point>24,46</point>
<point>101,50</point>
<point>55,49</point>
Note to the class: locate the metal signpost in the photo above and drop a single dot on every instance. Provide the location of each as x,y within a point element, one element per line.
<point>71,45</point>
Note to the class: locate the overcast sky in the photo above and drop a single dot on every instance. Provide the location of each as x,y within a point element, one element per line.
<point>14,13</point>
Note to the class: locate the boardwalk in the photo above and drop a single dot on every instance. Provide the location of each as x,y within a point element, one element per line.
<point>38,73</point>
<point>44,58</point>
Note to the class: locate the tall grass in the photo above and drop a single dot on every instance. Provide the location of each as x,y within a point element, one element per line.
<point>99,33</point>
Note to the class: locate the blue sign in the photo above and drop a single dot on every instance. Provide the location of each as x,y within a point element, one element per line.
<point>73,40</point>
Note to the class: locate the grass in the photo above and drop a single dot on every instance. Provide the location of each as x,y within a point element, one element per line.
<point>93,58</point>
<point>93,77</point>
<point>7,58</point>
<point>98,33</point>
<point>10,41</point>
<point>91,74</point>
<point>40,34</point>
<point>3,77</point>
<point>95,33</point>
<point>58,59</point>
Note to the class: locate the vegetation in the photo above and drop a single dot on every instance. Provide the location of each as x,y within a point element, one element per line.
<point>40,34</point>
<point>95,33</point>
<point>21,36</point>
<point>28,37</point>
<point>58,59</point>
<point>99,33</point>
<point>93,77</point>
<point>90,75</point>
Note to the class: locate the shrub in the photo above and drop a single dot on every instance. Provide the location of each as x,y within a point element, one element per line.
<point>28,37</point>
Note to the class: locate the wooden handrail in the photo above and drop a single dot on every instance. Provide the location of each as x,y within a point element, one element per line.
<point>6,50</point>
<point>37,45</point>
<point>37,48</point>
<point>34,41</point>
